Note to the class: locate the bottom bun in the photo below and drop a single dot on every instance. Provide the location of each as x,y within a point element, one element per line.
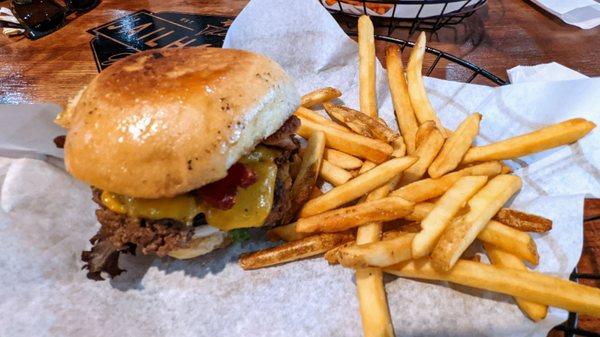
<point>202,243</point>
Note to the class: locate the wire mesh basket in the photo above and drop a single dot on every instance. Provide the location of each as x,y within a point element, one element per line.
<point>428,15</point>
<point>447,66</point>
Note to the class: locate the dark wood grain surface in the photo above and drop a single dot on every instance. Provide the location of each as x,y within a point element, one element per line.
<point>504,34</point>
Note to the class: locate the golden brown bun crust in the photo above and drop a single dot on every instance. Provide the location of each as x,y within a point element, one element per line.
<point>161,123</point>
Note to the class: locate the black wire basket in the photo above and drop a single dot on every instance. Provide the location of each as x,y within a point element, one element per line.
<point>428,15</point>
<point>438,62</point>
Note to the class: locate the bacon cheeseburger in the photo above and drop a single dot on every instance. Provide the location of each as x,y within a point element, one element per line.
<point>181,147</point>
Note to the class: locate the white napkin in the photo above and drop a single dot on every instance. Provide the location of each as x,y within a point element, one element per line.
<point>543,72</point>
<point>581,13</point>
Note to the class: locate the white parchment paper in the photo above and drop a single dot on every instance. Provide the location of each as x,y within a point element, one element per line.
<point>46,218</point>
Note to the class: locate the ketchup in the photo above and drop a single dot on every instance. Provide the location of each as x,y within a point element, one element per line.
<point>221,194</point>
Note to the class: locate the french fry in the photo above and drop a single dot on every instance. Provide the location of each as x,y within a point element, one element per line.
<point>416,89</point>
<point>420,211</point>
<point>463,230</point>
<point>399,147</point>
<point>357,187</point>
<point>500,258</point>
<point>366,67</point>
<point>426,152</point>
<point>286,233</point>
<point>304,113</point>
<point>405,114</point>
<point>341,159</point>
<point>319,96</point>
<point>361,123</point>
<point>366,166</point>
<point>510,240</point>
<point>455,147</point>
<point>423,132</point>
<point>444,210</point>
<point>353,144</point>
<point>335,175</point>
<point>523,221</point>
<point>374,312</point>
<point>427,189</point>
<point>543,139</point>
<point>377,254</point>
<point>506,169</point>
<point>495,233</point>
<point>308,173</point>
<point>331,255</point>
<point>372,302</point>
<point>341,219</point>
<point>295,250</point>
<point>316,192</point>
<point>527,285</point>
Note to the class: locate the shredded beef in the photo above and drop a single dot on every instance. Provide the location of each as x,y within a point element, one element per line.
<point>283,138</point>
<point>59,141</point>
<point>121,233</point>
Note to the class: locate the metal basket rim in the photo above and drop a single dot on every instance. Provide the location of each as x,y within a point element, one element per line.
<point>441,54</point>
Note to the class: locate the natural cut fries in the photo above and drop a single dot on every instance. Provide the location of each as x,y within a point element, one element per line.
<point>527,285</point>
<point>405,114</point>
<point>357,187</point>
<point>442,213</point>
<point>319,96</point>
<point>510,240</point>
<point>308,172</point>
<point>501,236</point>
<point>426,152</point>
<point>374,312</point>
<point>420,211</point>
<point>416,89</point>
<point>340,219</point>
<point>378,254</point>
<point>423,132</point>
<point>369,281</point>
<point>429,188</point>
<point>399,147</point>
<point>366,67</point>
<point>523,221</point>
<point>335,175</point>
<point>304,113</point>
<point>366,166</point>
<point>455,147</point>
<point>295,250</point>
<point>341,159</point>
<point>500,258</point>
<point>482,207</point>
<point>360,122</point>
<point>356,145</point>
<point>545,138</point>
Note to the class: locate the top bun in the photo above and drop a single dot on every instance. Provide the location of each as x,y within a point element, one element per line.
<point>161,123</point>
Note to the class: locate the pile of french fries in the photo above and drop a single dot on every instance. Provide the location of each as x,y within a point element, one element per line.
<point>411,203</point>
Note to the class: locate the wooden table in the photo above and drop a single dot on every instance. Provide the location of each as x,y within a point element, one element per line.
<point>504,34</point>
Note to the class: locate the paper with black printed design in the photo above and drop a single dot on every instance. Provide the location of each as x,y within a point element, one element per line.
<point>47,218</point>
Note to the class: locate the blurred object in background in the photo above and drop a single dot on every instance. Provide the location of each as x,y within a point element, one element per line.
<point>9,24</point>
<point>581,13</point>
<point>414,15</point>
<point>41,17</point>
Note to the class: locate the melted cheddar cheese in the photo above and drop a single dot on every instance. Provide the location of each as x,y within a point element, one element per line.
<point>251,208</point>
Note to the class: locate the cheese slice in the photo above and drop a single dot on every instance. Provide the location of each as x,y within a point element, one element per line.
<point>252,206</point>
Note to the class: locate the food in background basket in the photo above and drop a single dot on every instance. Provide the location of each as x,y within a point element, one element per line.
<point>378,8</point>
